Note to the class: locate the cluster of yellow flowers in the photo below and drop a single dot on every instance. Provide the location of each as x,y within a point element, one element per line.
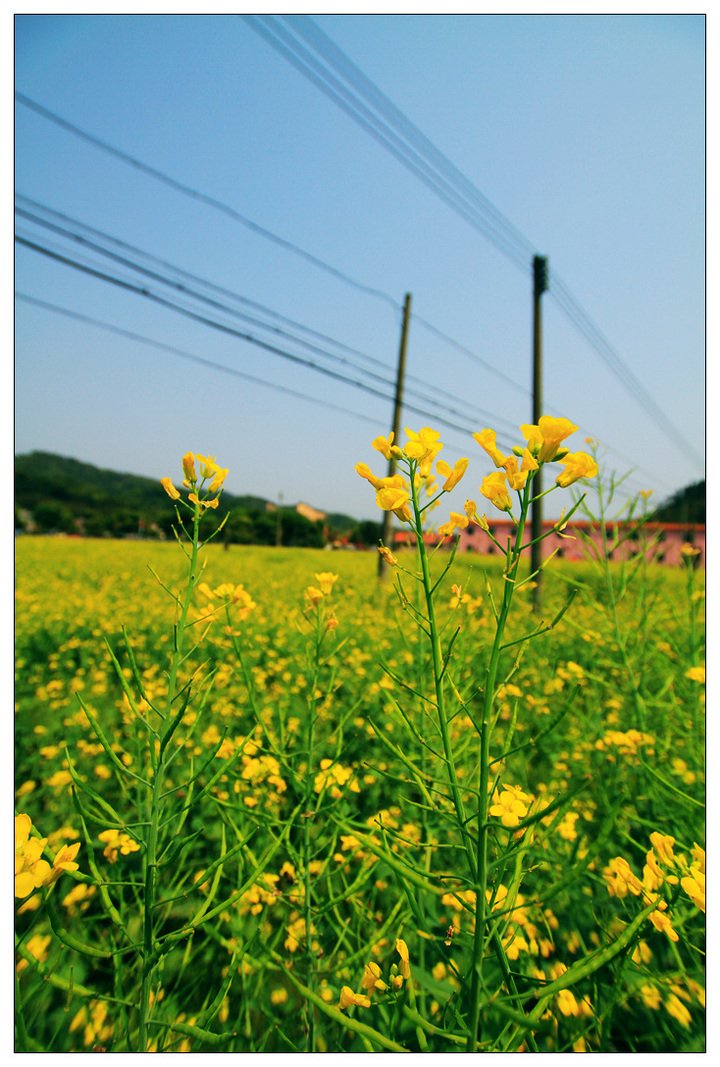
<point>325,581</point>
<point>227,593</point>
<point>316,596</point>
<point>116,842</point>
<point>372,980</point>
<point>543,445</point>
<point>621,879</point>
<point>333,776</point>
<point>209,471</point>
<point>31,870</point>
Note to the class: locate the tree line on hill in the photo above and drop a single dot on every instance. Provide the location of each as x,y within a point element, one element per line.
<point>55,494</point>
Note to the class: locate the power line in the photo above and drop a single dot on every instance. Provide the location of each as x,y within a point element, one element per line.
<point>398,134</point>
<point>200,360</point>
<point>196,316</point>
<point>78,238</point>
<point>383,105</point>
<point>316,261</point>
<point>312,69</point>
<point>68,313</point>
<point>218,306</point>
<point>253,226</point>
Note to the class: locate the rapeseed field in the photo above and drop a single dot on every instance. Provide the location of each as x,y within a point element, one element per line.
<point>266,802</point>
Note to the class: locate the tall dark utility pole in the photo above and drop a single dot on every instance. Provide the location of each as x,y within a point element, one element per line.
<point>397,412</point>
<point>540,285</point>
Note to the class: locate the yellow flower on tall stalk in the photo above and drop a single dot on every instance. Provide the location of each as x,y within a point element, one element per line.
<point>452,475</point>
<point>577,465</point>
<point>455,522</point>
<point>327,581</point>
<point>385,445</point>
<point>188,464</point>
<point>544,440</point>
<point>494,487</point>
<point>423,447</point>
<point>486,439</point>
<point>169,488</point>
<point>395,500</point>
<point>517,478</point>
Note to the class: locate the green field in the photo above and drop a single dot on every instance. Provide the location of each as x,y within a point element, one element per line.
<point>272,853</point>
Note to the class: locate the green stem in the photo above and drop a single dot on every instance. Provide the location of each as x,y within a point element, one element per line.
<point>513,561</point>
<point>439,678</point>
<point>154,800</point>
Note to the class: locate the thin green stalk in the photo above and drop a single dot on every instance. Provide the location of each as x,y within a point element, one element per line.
<point>439,680</point>
<point>513,561</point>
<point>154,800</point>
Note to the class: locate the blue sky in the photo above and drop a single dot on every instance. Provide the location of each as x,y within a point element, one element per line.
<point>586,132</point>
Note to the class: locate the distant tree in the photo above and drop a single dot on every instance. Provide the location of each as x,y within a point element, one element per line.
<point>52,517</point>
<point>367,533</point>
<point>687,505</point>
<point>297,531</point>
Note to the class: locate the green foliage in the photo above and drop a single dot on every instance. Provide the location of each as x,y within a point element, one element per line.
<point>687,505</point>
<point>64,495</point>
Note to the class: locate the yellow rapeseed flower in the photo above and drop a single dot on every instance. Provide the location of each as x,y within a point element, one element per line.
<point>486,439</point>
<point>395,500</point>
<point>326,580</point>
<point>117,842</point>
<point>365,472</point>
<point>402,951</point>
<point>455,522</point>
<point>371,979</point>
<point>384,445</point>
<point>423,447</point>
<point>452,475</point>
<point>675,1007</point>
<point>494,488</point>
<point>348,998</point>
<point>188,464</point>
<point>544,439</point>
<point>169,488</point>
<point>577,465</point>
<point>694,885</point>
<point>663,845</point>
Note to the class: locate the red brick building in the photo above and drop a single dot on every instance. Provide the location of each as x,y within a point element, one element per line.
<point>664,540</point>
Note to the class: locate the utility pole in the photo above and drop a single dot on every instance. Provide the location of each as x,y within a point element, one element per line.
<point>540,285</point>
<point>397,411</point>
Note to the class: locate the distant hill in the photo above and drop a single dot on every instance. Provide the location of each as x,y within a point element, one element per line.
<point>59,494</point>
<point>687,505</point>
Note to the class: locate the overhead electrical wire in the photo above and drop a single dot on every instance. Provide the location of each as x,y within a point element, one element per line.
<point>316,261</point>
<point>472,409</point>
<point>311,68</point>
<point>378,116</point>
<point>212,364</point>
<point>232,331</point>
<point>224,309</point>
<point>253,226</point>
<point>145,292</point>
<point>201,360</point>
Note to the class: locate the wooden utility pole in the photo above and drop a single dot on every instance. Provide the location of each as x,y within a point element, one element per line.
<point>397,412</point>
<point>540,284</point>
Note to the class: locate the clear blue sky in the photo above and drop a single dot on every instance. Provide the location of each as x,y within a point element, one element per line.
<point>586,132</point>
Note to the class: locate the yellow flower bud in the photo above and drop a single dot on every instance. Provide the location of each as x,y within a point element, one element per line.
<point>188,463</point>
